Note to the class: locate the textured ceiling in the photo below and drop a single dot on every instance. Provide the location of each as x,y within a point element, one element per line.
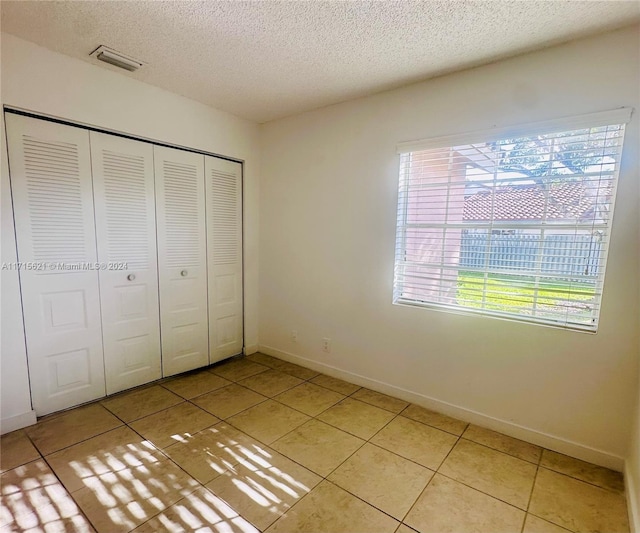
<point>267,59</point>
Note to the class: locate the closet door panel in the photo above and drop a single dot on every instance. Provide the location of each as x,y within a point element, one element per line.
<point>224,256</point>
<point>124,195</point>
<point>180,205</point>
<point>51,185</point>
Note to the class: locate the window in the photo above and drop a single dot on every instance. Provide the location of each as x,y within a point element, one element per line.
<point>512,223</point>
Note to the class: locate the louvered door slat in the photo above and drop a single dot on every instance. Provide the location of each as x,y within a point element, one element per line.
<point>53,207</point>
<point>182,262</point>
<point>126,232</point>
<point>224,251</point>
<point>54,196</point>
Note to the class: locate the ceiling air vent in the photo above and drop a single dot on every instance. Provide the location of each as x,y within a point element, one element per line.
<point>117,59</point>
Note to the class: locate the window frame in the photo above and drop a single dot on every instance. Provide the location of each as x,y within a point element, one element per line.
<point>619,116</point>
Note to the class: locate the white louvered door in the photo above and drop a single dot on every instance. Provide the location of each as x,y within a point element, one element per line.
<point>52,195</point>
<point>224,256</point>
<point>182,263</point>
<point>124,194</point>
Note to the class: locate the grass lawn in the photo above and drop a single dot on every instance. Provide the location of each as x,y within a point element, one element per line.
<point>517,294</point>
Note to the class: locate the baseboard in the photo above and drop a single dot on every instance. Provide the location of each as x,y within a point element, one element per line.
<point>633,499</point>
<point>252,348</point>
<point>7,425</point>
<point>558,444</point>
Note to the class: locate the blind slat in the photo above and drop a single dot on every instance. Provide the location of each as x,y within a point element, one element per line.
<point>516,227</point>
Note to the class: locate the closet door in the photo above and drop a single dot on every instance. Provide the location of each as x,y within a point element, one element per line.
<point>224,256</point>
<point>52,195</point>
<point>182,262</point>
<point>124,195</point>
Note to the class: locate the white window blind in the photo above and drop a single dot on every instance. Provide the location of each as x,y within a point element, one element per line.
<point>513,224</point>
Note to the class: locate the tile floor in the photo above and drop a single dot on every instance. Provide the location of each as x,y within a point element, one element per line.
<point>260,444</point>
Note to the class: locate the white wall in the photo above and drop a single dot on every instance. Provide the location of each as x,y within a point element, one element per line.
<point>327,229</point>
<point>632,472</point>
<point>15,401</point>
<point>38,80</point>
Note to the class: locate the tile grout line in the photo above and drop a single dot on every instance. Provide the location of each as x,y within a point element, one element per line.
<point>322,478</point>
<point>475,488</point>
<point>310,380</point>
<point>325,478</point>
<point>608,490</point>
<point>169,458</point>
<point>226,420</point>
<point>482,492</point>
<point>32,444</point>
<point>460,436</point>
<point>127,425</point>
<point>122,423</point>
<point>449,452</point>
<point>161,450</point>
<point>416,500</point>
<point>163,382</point>
<point>368,441</point>
<point>437,471</point>
<point>267,398</point>
<point>70,494</point>
<point>396,414</point>
<point>557,525</point>
<point>267,395</point>
<point>363,500</point>
<point>533,488</point>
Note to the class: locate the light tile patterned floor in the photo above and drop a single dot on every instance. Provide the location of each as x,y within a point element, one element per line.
<point>260,444</point>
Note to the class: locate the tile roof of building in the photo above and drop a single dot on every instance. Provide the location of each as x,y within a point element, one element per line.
<point>569,201</point>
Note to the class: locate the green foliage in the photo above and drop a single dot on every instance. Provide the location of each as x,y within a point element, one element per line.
<point>544,158</point>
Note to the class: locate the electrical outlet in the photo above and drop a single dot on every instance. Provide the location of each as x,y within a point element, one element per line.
<point>326,344</point>
<point>294,335</point>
